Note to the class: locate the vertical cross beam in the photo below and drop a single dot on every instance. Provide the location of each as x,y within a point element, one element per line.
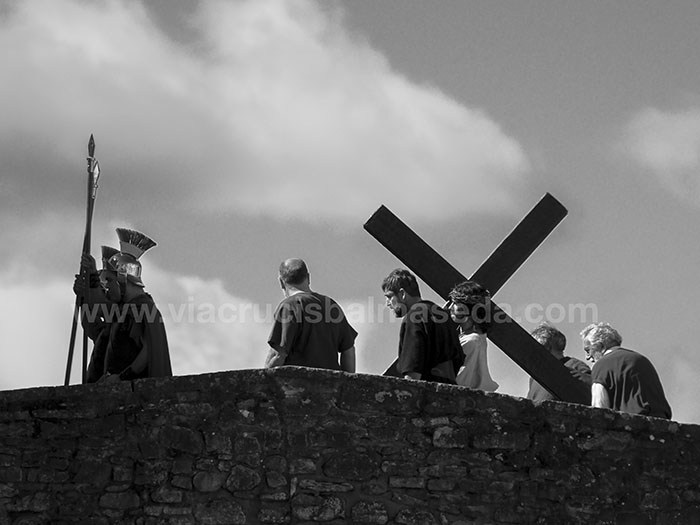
<point>505,332</point>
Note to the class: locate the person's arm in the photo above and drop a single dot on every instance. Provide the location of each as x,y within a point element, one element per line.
<point>599,396</point>
<point>91,323</point>
<point>347,360</point>
<point>137,366</point>
<point>413,350</point>
<point>275,358</point>
<point>283,333</point>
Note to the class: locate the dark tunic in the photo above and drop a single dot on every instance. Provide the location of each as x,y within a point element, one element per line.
<point>632,383</point>
<point>312,330</point>
<point>427,338</point>
<point>96,367</point>
<point>577,369</point>
<point>127,328</point>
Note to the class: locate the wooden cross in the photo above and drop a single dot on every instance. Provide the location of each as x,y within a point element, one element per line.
<point>505,332</point>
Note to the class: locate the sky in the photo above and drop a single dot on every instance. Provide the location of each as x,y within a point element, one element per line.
<point>240,133</point>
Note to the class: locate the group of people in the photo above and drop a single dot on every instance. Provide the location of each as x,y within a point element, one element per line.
<point>449,345</point>
<point>441,344</point>
<point>310,329</point>
<point>621,379</point>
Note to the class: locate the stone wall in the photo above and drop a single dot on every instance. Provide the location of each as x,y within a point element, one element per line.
<point>295,445</point>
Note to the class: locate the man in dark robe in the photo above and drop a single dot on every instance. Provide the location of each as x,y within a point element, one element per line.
<point>309,329</point>
<point>123,320</point>
<point>429,348</point>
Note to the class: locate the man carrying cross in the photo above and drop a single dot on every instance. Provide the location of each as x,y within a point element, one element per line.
<point>441,276</point>
<point>428,344</point>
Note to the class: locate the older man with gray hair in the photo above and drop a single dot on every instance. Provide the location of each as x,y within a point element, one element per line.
<point>623,379</point>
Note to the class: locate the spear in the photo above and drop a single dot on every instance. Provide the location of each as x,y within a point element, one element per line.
<point>93,170</point>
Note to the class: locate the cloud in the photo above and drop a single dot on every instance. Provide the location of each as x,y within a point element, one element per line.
<point>676,374</point>
<point>272,109</point>
<point>209,329</point>
<point>668,144</point>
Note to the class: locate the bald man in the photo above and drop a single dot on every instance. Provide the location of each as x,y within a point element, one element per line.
<point>309,329</point>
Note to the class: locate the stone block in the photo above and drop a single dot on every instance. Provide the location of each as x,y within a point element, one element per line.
<point>243,477</point>
<point>608,441</point>
<point>152,472</point>
<point>182,439</point>
<point>441,485</point>
<point>10,474</point>
<point>166,494</point>
<point>449,437</point>
<point>220,512</point>
<point>120,500</point>
<point>182,482</point>
<point>402,398</point>
<point>351,465</point>
<point>504,440</point>
<point>324,487</point>
<point>406,483</point>
<point>317,508</point>
<point>274,514</point>
<point>302,466</point>
<point>416,517</point>
<point>218,442</point>
<point>369,513</point>
<point>248,450</point>
<point>275,479</point>
<point>96,473</point>
<point>208,481</point>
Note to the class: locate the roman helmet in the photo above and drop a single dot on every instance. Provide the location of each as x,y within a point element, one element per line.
<point>133,245</point>
<point>107,253</point>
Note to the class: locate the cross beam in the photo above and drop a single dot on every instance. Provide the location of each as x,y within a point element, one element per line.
<point>505,332</point>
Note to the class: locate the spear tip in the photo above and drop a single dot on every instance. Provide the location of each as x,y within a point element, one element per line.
<point>91,146</point>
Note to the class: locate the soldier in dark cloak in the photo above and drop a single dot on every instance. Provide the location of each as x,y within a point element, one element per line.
<point>129,334</point>
<point>101,295</point>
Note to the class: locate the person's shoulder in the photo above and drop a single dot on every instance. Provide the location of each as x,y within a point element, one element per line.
<point>289,303</point>
<point>428,306</point>
<point>636,357</point>
<point>572,362</point>
<point>299,297</point>
<point>422,306</point>
<point>615,358</point>
<point>143,298</point>
<point>473,337</point>
<point>321,298</point>
<point>627,354</point>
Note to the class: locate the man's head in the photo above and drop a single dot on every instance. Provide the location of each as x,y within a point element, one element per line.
<point>471,306</point>
<point>133,244</point>
<point>107,253</point>
<point>551,338</point>
<point>293,273</point>
<point>108,276</point>
<point>597,338</point>
<point>401,291</point>
<point>110,284</point>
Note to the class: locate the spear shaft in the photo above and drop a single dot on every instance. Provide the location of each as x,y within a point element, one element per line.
<point>93,174</point>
